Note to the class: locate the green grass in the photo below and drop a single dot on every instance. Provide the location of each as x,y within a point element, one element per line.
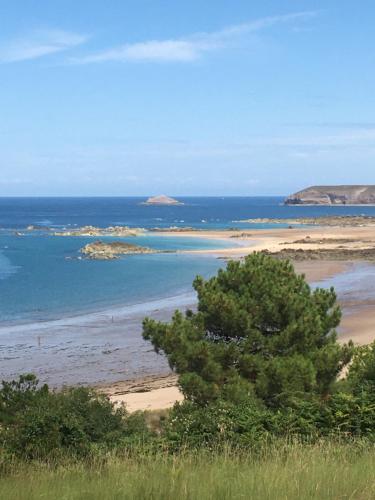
<point>286,471</point>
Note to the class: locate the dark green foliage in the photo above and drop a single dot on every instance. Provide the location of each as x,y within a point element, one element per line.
<point>344,416</point>
<point>362,369</point>
<point>350,414</point>
<point>38,423</point>
<point>260,332</point>
<point>219,423</point>
<point>17,395</point>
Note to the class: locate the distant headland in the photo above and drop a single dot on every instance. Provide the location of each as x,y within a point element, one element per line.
<point>162,199</point>
<point>334,195</point>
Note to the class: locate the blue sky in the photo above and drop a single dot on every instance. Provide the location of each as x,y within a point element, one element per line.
<point>212,97</point>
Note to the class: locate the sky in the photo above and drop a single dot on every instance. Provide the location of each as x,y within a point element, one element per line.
<point>213,97</point>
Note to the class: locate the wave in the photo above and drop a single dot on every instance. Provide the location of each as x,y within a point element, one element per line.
<point>133,311</point>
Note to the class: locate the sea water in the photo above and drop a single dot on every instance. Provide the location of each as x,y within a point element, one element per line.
<point>42,279</point>
<point>74,321</point>
<point>203,212</point>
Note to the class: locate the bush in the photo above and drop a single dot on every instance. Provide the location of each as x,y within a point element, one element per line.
<point>36,423</point>
<point>361,373</point>
<point>221,423</point>
<point>195,426</point>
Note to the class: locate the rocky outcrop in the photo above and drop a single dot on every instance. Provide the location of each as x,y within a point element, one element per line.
<point>334,195</point>
<point>112,250</point>
<point>336,254</point>
<point>121,231</point>
<point>34,227</point>
<point>328,220</point>
<point>161,200</point>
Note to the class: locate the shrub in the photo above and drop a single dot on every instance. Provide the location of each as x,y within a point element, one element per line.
<point>219,423</point>
<point>36,423</point>
<point>222,423</point>
<point>361,373</point>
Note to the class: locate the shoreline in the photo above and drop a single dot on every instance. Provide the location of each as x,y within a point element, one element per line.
<point>358,322</point>
<point>84,339</point>
<point>84,317</point>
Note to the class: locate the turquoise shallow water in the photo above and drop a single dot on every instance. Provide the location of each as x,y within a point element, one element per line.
<point>37,282</point>
<point>41,277</point>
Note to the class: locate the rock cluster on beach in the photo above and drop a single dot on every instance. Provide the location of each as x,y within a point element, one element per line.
<point>122,231</point>
<point>161,200</point>
<point>336,254</point>
<point>329,220</point>
<point>333,195</point>
<point>112,250</point>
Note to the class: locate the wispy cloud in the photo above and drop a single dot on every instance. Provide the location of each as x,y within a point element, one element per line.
<point>39,44</point>
<point>192,47</point>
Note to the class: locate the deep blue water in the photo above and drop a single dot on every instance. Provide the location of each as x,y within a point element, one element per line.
<point>206,212</point>
<point>39,280</point>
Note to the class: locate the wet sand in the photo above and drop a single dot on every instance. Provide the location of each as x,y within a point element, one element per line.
<point>359,325</point>
<point>92,349</point>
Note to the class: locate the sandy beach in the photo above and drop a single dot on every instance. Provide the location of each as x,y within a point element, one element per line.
<point>358,323</point>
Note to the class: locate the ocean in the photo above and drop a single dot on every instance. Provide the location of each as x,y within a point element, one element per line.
<point>58,314</point>
<point>40,279</point>
<point>203,212</point>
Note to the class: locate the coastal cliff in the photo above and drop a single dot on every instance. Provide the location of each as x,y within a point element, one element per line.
<point>334,195</point>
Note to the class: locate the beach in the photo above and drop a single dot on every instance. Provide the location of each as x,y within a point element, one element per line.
<point>358,322</point>
<point>104,347</point>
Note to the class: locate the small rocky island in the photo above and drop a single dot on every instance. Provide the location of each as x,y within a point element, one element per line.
<point>112,250</point>
<point>161,200</point>
<point>334,195</point>
<point>123,231</point>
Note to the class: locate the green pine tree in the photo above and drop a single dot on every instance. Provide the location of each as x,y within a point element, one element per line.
<point>260,332</point>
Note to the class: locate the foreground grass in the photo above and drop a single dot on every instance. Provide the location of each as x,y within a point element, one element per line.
<point>287,471</point>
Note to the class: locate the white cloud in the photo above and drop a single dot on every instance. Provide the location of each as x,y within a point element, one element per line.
<point>165,50</point>
<point>191,47</point>
<point>39,44</point>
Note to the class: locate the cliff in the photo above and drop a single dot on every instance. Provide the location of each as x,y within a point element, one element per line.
<point>333,195</point>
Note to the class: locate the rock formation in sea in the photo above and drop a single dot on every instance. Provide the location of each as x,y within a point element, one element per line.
<point>334,195</point>
<point>161,200</point>
<point>122,231</point>
<point>112,250</point>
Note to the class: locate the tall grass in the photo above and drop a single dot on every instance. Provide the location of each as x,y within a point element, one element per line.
<point>284,471</point>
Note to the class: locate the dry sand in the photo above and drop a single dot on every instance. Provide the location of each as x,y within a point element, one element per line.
<point>275,240</point>
<point>149,393</point>
<point>358,324</point>
<point>157,399</point>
